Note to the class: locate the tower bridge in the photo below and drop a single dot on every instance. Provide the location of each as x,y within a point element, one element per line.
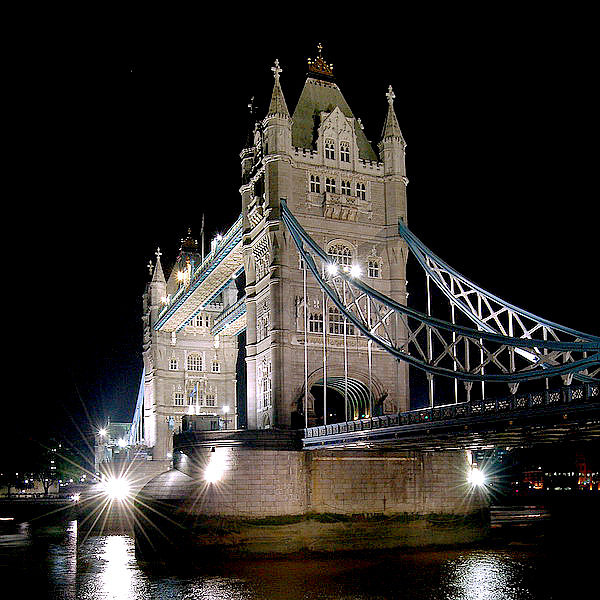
<point>297,321</point>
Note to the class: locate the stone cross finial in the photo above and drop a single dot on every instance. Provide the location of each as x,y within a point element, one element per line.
<point>390,95</point>
<point>276,69</point>
<point>158,253</point>
<point>150,266</point>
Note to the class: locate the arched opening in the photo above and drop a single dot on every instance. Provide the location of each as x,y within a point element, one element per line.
<point>338,388</point>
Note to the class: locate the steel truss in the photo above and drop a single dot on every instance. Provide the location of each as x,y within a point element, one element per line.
<point>508,344</point>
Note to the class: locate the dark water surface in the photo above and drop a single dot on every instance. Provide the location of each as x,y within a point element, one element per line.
<point>56,562</point>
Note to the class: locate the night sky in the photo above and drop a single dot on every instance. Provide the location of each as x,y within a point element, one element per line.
<point>125,134</point>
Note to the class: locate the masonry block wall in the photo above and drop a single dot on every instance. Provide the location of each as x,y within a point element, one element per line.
<point>261,483</point>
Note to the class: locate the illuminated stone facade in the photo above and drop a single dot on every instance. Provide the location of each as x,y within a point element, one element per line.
<point>349,199</point>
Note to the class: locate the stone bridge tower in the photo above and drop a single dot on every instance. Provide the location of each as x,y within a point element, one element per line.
<point>349,199</point>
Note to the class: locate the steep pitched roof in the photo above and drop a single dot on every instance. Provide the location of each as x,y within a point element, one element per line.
<point>320,95</point>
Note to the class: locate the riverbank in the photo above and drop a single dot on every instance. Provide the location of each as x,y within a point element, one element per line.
<point>312,533</point>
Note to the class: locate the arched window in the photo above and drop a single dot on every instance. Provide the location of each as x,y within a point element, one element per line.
<point>373,268</point>
<point>215,366</point>
<point>330,149</point>
<point>361,191</point>
<point>346,188</point>
<point>344,151</point>
<point>340,253</point>
<point>194,362</point>
<point>336,322</point>
<point>330,185</point>
<point>315,184</point>
<point>173,364</point>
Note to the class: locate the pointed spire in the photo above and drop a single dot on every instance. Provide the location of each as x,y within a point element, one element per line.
<point>391,127</point>
<point>278,105</point>
<point>158,276</point>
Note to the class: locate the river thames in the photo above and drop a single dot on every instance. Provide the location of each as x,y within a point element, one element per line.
<point>56,562</point>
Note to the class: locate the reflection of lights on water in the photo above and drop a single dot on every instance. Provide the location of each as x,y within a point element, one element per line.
<point>117,577</point>
<point>486,576</point>
<point>217,465</point>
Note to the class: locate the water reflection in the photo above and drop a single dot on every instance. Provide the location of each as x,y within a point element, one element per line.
<point>57,564</point>
<point>485,575</point>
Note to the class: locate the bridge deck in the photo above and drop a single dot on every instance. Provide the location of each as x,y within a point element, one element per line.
<point>571,413</point>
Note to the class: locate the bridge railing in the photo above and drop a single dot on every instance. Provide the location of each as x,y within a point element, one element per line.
<point>589,392</point>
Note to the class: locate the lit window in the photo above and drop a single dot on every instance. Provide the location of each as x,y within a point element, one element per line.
<point>330,149</point>
<point>330,185</point>
<point>346,188</point>
<point>345,152</point>
<point>194,362</point>
<point>315,184</point>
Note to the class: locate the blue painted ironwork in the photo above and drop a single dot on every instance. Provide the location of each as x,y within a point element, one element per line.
<point>541,357</point>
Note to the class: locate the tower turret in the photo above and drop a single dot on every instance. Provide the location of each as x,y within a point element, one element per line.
<point>392,150</point>
<point>277,124</point>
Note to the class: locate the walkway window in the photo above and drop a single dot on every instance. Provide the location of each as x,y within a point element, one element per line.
<point>345,152</point>
<point>330,149</point>
<point>194,362</point>
<point>330,185</point>
<point>315,184</point>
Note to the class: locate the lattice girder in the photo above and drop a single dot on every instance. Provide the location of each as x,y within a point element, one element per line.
<point>506,353</point>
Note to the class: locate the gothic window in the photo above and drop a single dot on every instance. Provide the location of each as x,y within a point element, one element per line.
<point>345,152</point>
<point>373,269</point>
<point>340,254</point>
<point>346,188</point>
<point>330,185</point>
<point>215,366</point>
<point>178,399</point>
<point>194,362</point>
<point>211,397</point>
<point>206,320</point>
<point>315,323</point>
<point>315,184</point>
<point>361,191</point>
<point>264,383</point>
<point>336,322</point>
<point>330,149</point>
<point>197,321</point>
<point>173,364</point>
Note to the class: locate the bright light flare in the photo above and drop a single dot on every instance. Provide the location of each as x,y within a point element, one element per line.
<point>215,468</point>
<point>355,271</point>
<point>117,488</point>
<point>476,477</point>
<point>332,268</point>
